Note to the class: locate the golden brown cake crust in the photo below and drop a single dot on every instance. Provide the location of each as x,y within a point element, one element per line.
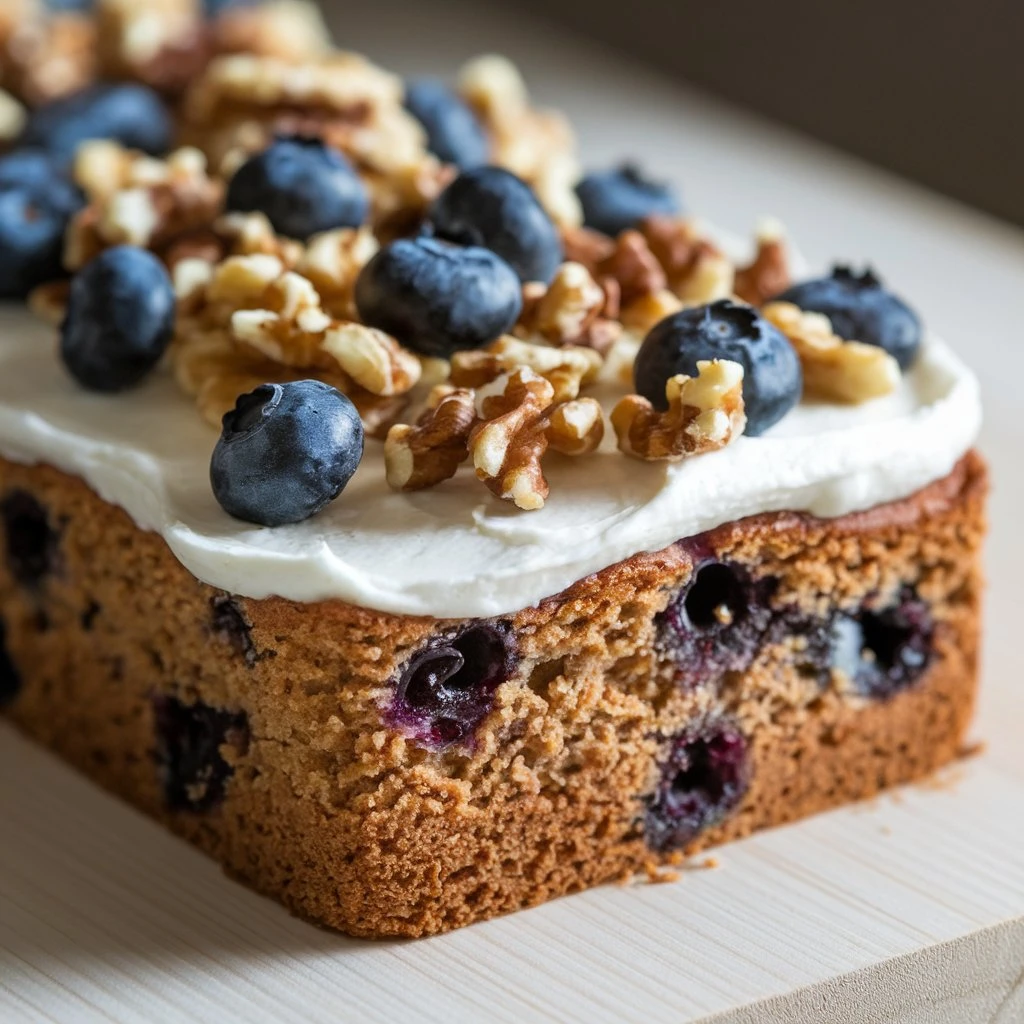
<point>351,821</point>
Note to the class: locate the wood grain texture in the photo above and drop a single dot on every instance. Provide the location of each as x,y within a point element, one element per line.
<point>908,909</point>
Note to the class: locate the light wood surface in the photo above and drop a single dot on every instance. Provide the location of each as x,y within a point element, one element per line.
<point>910,908</point>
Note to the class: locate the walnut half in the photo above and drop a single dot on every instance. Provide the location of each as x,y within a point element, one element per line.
<point>517,427</point>
<point>424,454</point>
<point>704,413</point>
<point>834,369</point>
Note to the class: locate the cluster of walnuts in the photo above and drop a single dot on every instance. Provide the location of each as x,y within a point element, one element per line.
<point>267,313</point>
<point>254,307</point>
<point>46,53</point>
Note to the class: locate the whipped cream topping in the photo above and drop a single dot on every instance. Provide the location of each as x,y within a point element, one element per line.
<point>456,550</point>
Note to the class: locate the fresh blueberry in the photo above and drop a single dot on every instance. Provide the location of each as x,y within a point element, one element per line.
<point>446,689</point>
<point>491,207</point>
<point>717,623</point>
<point>438,298</point>
<point>861,308</point>
<point>772,381</point>
<point>884,651</point>
<point>189,741</point>
<point>285,452</point>
<point>31,544</point>
<point>302,186</point>
<point>10,677</point>
<point>33,218</point>
<point>119,320</point>
<point>703,780</point>
<point>614,201</point>
<point>26,166</point>
<point>131,114</point>
<point>454,134</point>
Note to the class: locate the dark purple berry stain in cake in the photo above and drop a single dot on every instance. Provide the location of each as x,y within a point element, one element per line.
<point>189,742</point>
<point>703,779</point>
<point>89,616</point>
<point>10,678</point>
<point>717,623</point>
<point>447,688</point>
<point>31,543</point>
<point>884,651</point>
<point>230,625</point>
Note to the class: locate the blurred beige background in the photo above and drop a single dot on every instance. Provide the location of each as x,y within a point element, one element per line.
<point>931,90</point>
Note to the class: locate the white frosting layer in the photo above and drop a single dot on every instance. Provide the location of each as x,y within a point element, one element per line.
<point>456,550</point>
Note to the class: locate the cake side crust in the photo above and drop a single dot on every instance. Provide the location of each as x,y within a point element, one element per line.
<point>338,811</point>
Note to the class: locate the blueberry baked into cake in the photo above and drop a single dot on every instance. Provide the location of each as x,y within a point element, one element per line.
<point>421,526</point>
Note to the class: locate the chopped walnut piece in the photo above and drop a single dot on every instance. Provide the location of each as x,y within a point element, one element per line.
<point>643,313</point>
<point>834,369</point>
<point>769,274</point>
<point>14,13</point>
<point>373,359</point>
<point>333,261</point>
<point>704,414</point>
<point>695,268</point>
<point>515,429</point>
<point>249,233</point>
<point>241,282</point>
<point>289,29</point>
<point>159,42</point>
<point>576,427</point>
<point>46,55</point>
<point>633,266</point>
<point>215,369</point>
<point>566,369</point>
<point>537,145</point>
<point>210,367</point>
<point>190,277</point>
<point>294,330</point>
<point>400,196</point>
<point>674,242</point>
<point>242,100</point>
<point>49,301</point>
<point>12,117</point>
<point>571,303</point>
<point>586,246</point>
<point>508,443</point>
<point>432,450</point>
<point>194,245</point>
<point>711,277</point>
<point>136,200</point>
<point>601,335</point>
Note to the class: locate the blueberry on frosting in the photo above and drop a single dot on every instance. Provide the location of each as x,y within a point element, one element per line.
<point>491,207</point>
<point>618,199</point>
<point>861,308</point>
<point>772,381</point>
<point>131,114</point>
<point>285,452</point>
<point>302,186</point>
<point>119,321</point>
<point>438,298</point>
<point>454,134</point>
<point>36,203</point>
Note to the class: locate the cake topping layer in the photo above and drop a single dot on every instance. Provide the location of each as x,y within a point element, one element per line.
<point>456,550</point>
<point>451,372</point>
